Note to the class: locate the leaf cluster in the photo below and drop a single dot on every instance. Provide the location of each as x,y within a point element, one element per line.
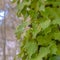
<point>41,39</point>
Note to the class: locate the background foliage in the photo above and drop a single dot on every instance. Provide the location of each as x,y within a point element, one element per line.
<point>41,32</point>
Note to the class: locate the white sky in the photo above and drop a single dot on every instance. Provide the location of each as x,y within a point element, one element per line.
<point>1,16</point>
<point>1,13</point>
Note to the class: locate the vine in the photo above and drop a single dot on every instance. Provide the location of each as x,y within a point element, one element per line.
<point>39,32</point>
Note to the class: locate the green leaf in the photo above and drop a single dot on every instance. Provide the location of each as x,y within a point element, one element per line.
<point>47,30</point>
<point>45,24</point>
<point>36,28</point>
<point>31,48</point>
<point>53,47</point>
<point>42,40</point>
<point>44,51</point>
<point>33,14</point>
<point>56,21</point>
<point>57,36</point>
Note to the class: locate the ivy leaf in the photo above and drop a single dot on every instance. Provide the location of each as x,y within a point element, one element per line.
<point>31,48</point>
<point>45,24</point>
<point>53,47</point>
<point>47,30</point>
<point>57,36</point>
<point>56,21</point>
<point>44,51</point>
<point>37,58</point>
<point>42,40</point>
<point>36,28</point>
<point>33,14</point>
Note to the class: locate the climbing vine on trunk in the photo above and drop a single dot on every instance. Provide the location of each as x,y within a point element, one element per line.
<point>39,32</point>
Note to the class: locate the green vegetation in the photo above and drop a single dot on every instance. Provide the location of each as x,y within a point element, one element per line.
<point>41,34</point>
